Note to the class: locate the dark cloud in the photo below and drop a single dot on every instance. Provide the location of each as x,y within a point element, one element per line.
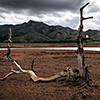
<point>53,12</point>
<point>43,6</point>
<point>3,10</point>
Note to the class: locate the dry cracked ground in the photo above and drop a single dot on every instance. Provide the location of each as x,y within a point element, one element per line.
<point>47,63</point>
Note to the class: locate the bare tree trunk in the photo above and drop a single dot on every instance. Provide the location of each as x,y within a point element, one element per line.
<point>80,51</point>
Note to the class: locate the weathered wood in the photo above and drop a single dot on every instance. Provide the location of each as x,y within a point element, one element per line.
<point>8,54</point>
<point>34,77</point>
<point>10,35</point>
<point>80,50</point>
<point>32,65</point>
<point>6,76</point>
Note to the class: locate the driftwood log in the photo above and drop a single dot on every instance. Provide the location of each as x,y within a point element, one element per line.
<point>36,78</point>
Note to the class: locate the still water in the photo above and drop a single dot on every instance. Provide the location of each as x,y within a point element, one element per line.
<point>55,48</point>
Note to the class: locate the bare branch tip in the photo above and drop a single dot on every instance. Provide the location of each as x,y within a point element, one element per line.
<point>87,3</point>
<point>32,65</point>
<point>84,6</point>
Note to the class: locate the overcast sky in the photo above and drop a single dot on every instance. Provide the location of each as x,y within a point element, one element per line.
<point>52,12</point>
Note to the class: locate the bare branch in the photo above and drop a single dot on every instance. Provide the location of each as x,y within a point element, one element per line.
<point>17,72</point>
<point>81,15</point>
<point>85,5</point>
<point>8,54</point>
<point>18,66</point>
<point>9,74</point>
<point>35,78</point>
<point>10,35</point>
<point>32,65</point>
<point>87,18</point>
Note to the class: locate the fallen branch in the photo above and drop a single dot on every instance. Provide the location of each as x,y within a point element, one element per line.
<point>36,78</point>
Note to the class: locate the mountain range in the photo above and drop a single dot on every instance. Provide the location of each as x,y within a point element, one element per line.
<point>33,31</point>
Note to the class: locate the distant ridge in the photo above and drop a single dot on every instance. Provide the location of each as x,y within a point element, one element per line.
<point>33,31</point>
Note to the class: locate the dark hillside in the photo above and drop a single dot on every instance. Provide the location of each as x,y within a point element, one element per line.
<point>41,32</point>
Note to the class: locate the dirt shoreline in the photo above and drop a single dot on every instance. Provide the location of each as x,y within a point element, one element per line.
<point>29,45</point>
<point>47,63</point>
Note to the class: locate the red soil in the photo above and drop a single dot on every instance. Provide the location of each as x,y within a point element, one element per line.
<point>47,63</point>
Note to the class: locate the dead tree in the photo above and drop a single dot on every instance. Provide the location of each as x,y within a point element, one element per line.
<point>68,72</point>
<point>8,54</point>
<point>80,39</point>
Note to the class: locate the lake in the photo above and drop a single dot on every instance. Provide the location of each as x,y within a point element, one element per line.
<point>55,48</point>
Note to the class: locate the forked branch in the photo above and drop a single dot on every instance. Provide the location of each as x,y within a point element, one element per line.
<point>82,18</point>
<point>35,78</point>
<point>80,38</point>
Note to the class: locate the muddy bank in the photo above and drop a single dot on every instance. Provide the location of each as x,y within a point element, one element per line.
<point>30,45</point>
<point>47,63</point>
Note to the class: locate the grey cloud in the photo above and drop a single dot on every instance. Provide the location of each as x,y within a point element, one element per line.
<point>93,8</point>
<point>1,16</point>
<point>49,22</point>
<point>3,10</point>
<point>40,8</point>
<point>96,20</point>
<point>41,5</point>
<point>73,22</point>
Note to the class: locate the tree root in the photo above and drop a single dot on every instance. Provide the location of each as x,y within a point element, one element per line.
<point>77,80</point>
